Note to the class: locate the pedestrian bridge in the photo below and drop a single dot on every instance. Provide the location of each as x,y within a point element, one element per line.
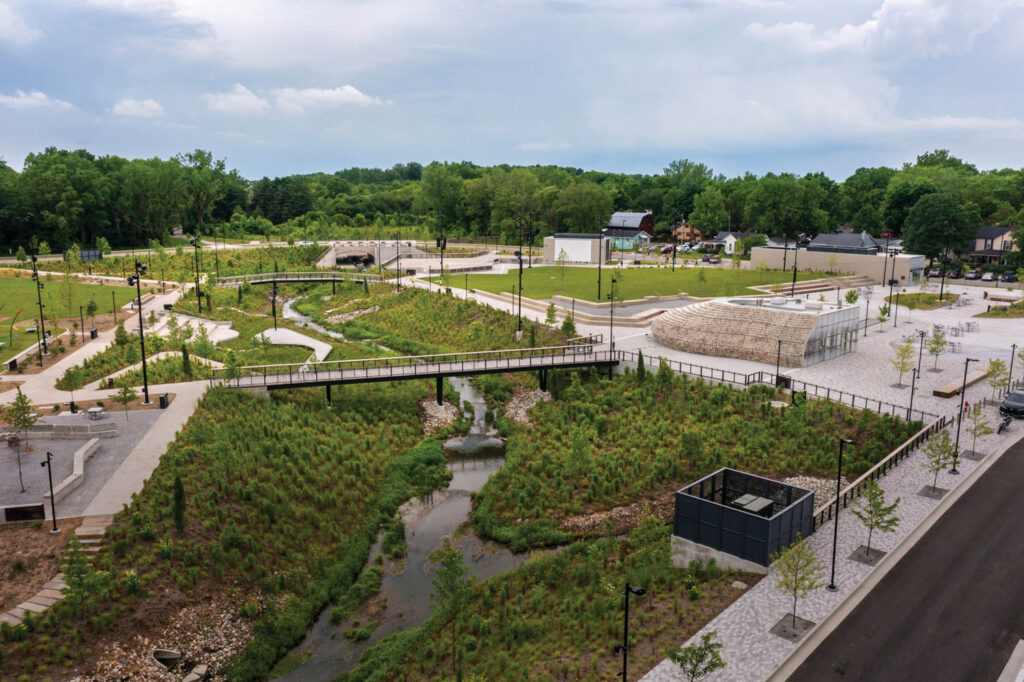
<point>576,354</point>
<point>291,277</point>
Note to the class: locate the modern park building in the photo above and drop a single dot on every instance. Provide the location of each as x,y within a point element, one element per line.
<point>577,248</point>
<point>751,329</point>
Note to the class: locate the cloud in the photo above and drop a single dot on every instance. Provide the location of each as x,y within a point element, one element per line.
<point>33,100</point>
<point>899,28</point>
<point>13,28</point>
<point>238,100</point>
<point>293,101</point>
<point>542,146</point>
<point>138,108</point>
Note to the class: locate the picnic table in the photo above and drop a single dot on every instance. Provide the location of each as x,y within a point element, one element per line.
<point>94,413</point>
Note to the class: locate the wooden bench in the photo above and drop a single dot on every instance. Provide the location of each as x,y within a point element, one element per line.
<point>950,390</point>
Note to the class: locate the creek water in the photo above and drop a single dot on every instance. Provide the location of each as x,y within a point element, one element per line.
<point>404,599</point>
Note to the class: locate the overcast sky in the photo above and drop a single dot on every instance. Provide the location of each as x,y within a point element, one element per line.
<point>278,87</point>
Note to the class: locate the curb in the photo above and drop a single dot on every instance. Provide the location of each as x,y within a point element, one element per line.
<point>832,621</point>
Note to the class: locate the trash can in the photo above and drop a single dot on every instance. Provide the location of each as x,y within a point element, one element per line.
<point>93,333</point>
<point>163,401</point>
<point>167,306</point>
<point>73,407</point>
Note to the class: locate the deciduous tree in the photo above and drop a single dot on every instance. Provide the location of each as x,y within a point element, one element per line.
<point>798,571</point>
<point>700,659</point>
<point>874,513</point>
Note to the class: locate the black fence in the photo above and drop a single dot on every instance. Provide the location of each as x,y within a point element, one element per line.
<point>742,514</point>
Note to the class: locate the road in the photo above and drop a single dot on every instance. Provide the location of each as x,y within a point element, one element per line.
<point>953,608</point>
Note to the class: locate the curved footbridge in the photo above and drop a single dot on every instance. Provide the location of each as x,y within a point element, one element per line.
<point>292,277</point>
<point>576,354</point>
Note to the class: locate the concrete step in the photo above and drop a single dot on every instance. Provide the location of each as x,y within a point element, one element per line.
<point>90,542</point>
<point>91,532</point>
<point>98,520</point>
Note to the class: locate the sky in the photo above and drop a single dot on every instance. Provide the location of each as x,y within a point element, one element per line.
<point>276,87</point>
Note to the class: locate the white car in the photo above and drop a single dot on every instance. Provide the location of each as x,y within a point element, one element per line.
<point>303,243</point>
<point>988,277</point>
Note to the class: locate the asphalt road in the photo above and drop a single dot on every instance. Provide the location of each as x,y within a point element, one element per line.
<point>953,608</point>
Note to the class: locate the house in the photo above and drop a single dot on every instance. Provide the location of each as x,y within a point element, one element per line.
<point>727,241</point>
<point>627,238</point>
<point>577,247</point>
<point>860,244</point>
<point>687,233</point>
<point>990,245</point>
<point>638,221</point>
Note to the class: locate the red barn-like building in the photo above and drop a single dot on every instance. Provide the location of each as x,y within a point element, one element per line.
<point>638,221</point>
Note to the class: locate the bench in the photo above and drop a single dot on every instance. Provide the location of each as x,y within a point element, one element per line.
<point>950,390</point>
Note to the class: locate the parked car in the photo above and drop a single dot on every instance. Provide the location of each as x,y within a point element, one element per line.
<point>1009,276</point>
<point>714,260</point>
<point>668,248</point>
<point>935,272</point>
<point>705,258</point>
<point>1013,406</point>
<point>988,277</point>
<point>955,274</point>
<point>973,274</point>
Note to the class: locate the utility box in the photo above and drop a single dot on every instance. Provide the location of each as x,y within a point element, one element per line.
<point>163,401</point>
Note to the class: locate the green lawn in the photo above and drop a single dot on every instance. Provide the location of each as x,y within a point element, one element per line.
<point>545,282</point>
<point>921,301</point>
<point>19,294</point>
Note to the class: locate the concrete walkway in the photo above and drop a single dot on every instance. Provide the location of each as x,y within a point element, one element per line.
<point>289,337</point>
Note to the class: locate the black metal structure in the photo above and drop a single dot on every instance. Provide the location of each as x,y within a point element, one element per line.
<point>707,513</point>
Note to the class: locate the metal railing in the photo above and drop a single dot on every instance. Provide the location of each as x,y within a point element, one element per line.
<point>690,369</point>
<point>579,351</point>
<point>827,510</point>
<point>311,276</point>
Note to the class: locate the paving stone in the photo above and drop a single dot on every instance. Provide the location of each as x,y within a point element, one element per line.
<point>29,606</point>
<point>43,601</point>
<point>57,585</point>
<point>9,619</point>
<point>51,593</point>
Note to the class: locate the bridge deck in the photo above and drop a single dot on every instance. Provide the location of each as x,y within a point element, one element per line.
<point>285,277</point>
<point>414,367</point>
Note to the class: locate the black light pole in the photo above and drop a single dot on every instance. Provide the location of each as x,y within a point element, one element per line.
<point>530,236</point>
<point>1013,352</point>
<point>216,258</point>
<point>611,318</point>
<point>892,280</point>
<point>194,241</point>
<point>600,256</point>
<point>136,279</point>
<point>960,416</point>
<point>867,312</point>
<point>796,252</point>
<point>39,298</point>
<point>885,261</point>
<point>778,362</point>
<point>785,239</point>
<point>624,647</point>
<point>49,474</point>
<point>675,242</point>
<point>835,526</point>
<point>442,243</point>
<point>519,255</point>
<point>913,384</point>
<point>398,262</point>
<point>942,283</point>
<point>920,350</point>
<point>81,320</point>
<point>896,308</point>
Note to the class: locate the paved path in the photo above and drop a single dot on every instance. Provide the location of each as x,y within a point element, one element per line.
<point>290,337</point>
<point>953,607</point>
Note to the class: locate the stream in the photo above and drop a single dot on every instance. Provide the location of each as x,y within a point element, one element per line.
<point>404,599</point>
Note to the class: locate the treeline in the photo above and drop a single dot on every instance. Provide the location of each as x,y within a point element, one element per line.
<point>75,197</point>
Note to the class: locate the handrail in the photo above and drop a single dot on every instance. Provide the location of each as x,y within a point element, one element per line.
<point>826,510</point>
<point>312,275</point>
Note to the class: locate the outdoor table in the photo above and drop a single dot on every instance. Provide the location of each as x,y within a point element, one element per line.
<point>954,331</point>
<point>94,412</point>
<point>743,501</point>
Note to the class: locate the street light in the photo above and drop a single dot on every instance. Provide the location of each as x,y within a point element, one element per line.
<point>611,323</point>
<point>624,646</point>
<point>398,262</point>
<point>796,252</point>
<point>920,351</point>
<point>835,526</point>
<point>194,241</point>
<point>39,298</point>
<point>600,255</point>
<point>53,502</point>
<point>914,373</point>
<point>960,415</point>
<point>1013,351</point>
<point>136,279</point>
<point>778,362</point>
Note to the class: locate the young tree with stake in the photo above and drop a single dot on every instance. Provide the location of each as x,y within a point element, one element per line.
<point>874,513</point>
<point>978,425</point>
<point>997,377</point>
<point>939,454</point>
<point>798,571</point>
<point>903,359</point>
<point>21,418</point>
<point>124,396</point>
<point>937,345</point>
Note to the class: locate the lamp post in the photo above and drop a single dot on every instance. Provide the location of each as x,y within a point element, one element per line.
<point>835,526</point>
<point>778,362</point>
<point>611,318</point>
<point>796,252</point>
<point>1013,352</point>
<point>519,255</point>
<point>892,279</point>
<point>867,311</point>
<point>81,320</point>
<point>529,236</point>
<point>896,308</point>
<point>785,239</point>
<point>624,646</point>
<point>675,242</point>
<point>442,243</point>
<point>960,415</point>
<point>136,279</point>
<point>194,241</point>
<point>53,503</point>
<point>398,263</point>
<point>920,351</point>
<point>600,256</point>
<point>913,386</point>
<point>942,282</point>
<point>39,299</point>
